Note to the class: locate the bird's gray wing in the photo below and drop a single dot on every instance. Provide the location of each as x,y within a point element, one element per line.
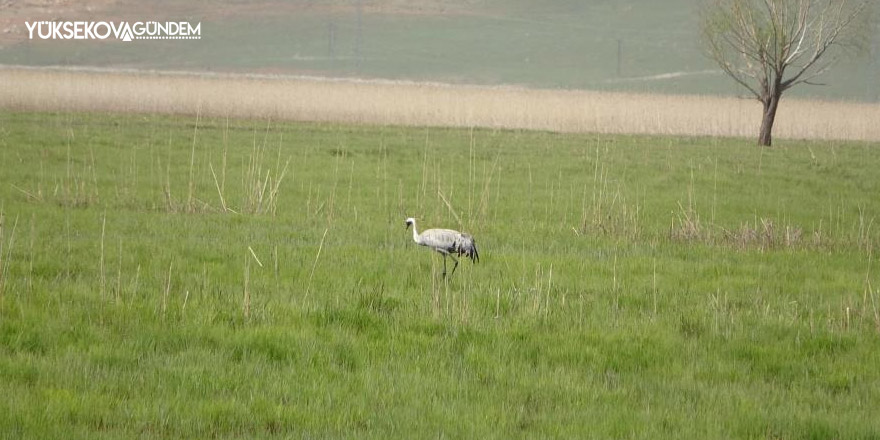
<point>447,241</point>
<point>441,240</point>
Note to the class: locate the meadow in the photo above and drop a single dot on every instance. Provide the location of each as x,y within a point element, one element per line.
<point>175,276</point>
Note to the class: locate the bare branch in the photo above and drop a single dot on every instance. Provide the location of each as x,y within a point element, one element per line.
<point>838,24</point>
<point>757,42</point>
<point>769,46</point>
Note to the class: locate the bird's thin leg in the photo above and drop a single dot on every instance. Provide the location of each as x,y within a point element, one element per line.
<point>444,265</point>
<point>456,264</point>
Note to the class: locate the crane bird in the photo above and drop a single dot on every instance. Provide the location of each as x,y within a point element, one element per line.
<point>447,242</point>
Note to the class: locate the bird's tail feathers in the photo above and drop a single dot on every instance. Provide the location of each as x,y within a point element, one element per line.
<point>468,248</point>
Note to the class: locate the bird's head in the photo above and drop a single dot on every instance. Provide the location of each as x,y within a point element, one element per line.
<point>409,222</point>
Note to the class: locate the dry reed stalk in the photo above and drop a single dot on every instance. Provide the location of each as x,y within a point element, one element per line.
<point>136,282</point>
<point>6,243</point>
<point>30,283</point>
<point>451,209</point>
<point>101,263</point>
<point>435,293</point>
<point>225,149</point>
<point>420,194</point>
<point>536,304</point>
<point>2,260</point>
<point>483,209</point>
<point>614,285</point>
<point>350,185</point>
<point>94,169</point>
<point>876,312</point>
<point>254,254</point>
<point>219,189</point>
<point>446,297</point>
<point>192,162</point>
<point>689,226</point>
<point>472,174</point>
<point>119,274</point>
<point>246,301</point>
<point>166,190</point>
<point>549,289</point>
<point>869,292</point>
<point>427,104</point>
<point>261,188</point>
<point>38,197</point>
<point>272,201</point>
<point>654,286</point>
<point>275,257</point>
<point>67,236</point>
<point>167,288</point>
<point>315,264</point>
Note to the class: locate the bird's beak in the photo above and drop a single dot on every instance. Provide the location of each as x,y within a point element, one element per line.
<point>407,225</point>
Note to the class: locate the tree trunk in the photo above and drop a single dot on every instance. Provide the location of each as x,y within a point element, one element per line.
<point>765,138</point>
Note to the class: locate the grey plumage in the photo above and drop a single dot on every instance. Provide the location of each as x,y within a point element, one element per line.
<point>447,242</point>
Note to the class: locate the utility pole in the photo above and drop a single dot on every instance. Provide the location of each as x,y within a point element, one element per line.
<point>873,67</point>
<point>331,40</point>
<point>359,38</point>
<point>619,56</point>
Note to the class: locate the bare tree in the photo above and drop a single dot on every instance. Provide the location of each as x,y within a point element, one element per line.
<point>770,46</point>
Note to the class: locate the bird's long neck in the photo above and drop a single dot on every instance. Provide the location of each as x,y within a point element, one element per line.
<point>415,233</point>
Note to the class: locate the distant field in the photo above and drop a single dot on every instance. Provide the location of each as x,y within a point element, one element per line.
<point>425,104</point>
<point>637,46</point>
<point>168,276</point>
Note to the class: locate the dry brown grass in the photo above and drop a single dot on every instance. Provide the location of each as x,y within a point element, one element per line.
<point>420,104</point>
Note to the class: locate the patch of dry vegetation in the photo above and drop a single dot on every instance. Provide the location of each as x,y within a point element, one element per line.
<point>425,104</point>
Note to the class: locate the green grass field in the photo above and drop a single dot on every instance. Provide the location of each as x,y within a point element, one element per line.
<point>629,287</point>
